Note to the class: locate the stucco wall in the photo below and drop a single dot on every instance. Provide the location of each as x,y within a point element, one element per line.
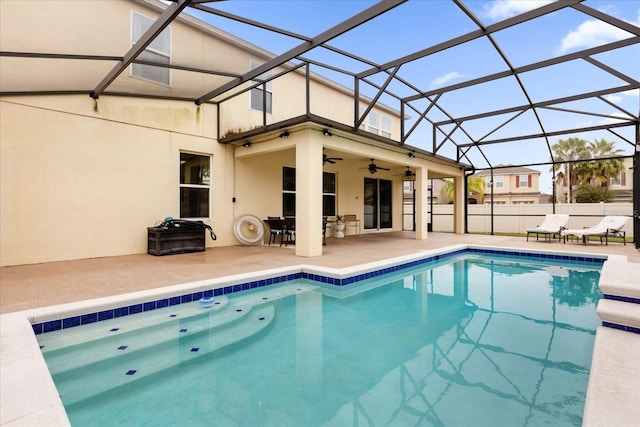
<point>80,180</point>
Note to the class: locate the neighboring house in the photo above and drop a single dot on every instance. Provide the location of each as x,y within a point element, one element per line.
<point>85,176</point>
<point>512,185</point>
<point>620,186</point>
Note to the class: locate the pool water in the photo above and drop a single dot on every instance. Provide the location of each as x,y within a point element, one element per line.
<point>467,341</point>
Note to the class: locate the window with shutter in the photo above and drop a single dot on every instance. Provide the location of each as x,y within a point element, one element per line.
<point>618,180</point>
<point>523,181</point>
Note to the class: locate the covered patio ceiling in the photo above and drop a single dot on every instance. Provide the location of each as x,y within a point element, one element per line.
<point>482,83</point>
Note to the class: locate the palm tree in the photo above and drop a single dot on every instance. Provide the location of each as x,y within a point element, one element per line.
<point>602,170</point>
<point>565,151</point>
<point>475,184</point>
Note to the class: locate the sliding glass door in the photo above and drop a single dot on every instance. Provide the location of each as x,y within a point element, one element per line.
<point>377,204</point>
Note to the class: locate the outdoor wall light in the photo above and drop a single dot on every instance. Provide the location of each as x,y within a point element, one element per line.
<point>246,144</point>
<point>326,132</point>
<point>411,155</point>
<point>284,134</point>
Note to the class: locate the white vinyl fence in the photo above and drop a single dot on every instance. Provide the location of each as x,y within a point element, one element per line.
<point>517,218</point>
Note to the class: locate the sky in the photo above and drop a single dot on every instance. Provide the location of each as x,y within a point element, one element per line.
<point>419,24</point>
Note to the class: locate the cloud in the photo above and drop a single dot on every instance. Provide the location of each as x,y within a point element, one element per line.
<point>617,98</point>
<point>631,92</point>
<point>614,98</point>
<point>441,81</point>
<point>616,117</point>
<point>591,33</point>
<point>502,9</point>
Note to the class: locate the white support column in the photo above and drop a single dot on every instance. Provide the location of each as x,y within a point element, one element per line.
<point>309,195</point>
<point>458,206</point>
<point>422,203</point>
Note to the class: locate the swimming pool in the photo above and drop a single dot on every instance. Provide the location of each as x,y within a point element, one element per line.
<point>474,338</point>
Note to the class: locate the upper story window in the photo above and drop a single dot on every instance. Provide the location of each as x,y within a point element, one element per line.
<point>618,180</point>
<point>498,181</point>
<point>262,96</point>
<point>376,122</point>
<point>523,181</point>
<point>158,51</point>
<point>361,109</point>
<point>386,127</point>
<point>195,183</point>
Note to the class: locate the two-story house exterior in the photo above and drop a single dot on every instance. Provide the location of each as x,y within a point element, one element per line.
<point>620,186</point>
<point>91,157</point>
<point>512,185</point>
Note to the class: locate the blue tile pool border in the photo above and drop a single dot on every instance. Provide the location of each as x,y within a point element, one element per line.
<point>631,300</point>
<point>84,319</point>
<point>626,328</point>
<point>621,327</point>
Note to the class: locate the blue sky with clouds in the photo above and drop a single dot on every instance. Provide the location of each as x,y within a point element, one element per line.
<point>419,24</point>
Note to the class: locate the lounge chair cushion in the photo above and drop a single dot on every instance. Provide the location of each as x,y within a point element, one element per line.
<point>552,223</point>
<point>607,225</point>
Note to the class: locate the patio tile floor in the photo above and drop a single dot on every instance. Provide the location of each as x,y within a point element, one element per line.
<point>39,285</point>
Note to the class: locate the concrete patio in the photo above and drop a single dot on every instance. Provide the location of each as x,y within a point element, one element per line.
<point>40,285</point>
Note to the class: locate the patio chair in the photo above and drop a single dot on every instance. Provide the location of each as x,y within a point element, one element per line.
<point>325,220</point>
<point>289,235</point>
<point>351,220</point>
<point>276,228</point>
<point>609,226</point>
<point>553,224</point>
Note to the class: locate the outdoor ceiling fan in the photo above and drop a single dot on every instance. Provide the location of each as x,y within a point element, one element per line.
<point>373,168</point>
<point>327,159</point>
<point>408,174</point>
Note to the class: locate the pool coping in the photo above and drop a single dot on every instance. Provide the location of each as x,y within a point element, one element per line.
<point>25,375</point>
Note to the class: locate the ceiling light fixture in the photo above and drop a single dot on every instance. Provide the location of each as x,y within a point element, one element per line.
<point>246,144</point>
<point>326,132</point>
<point>284,134</point>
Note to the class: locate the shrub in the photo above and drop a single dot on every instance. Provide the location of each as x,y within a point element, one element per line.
<point>589,194</point>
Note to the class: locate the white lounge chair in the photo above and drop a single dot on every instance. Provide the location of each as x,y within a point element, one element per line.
<point>552,225</point>
<point>609,226</point>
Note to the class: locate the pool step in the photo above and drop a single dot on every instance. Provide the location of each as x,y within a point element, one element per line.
<point>141,338</point>
<point>102,340</point>
<point>66,339</point>
<point>87,381</point>
<point>74,338</point>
